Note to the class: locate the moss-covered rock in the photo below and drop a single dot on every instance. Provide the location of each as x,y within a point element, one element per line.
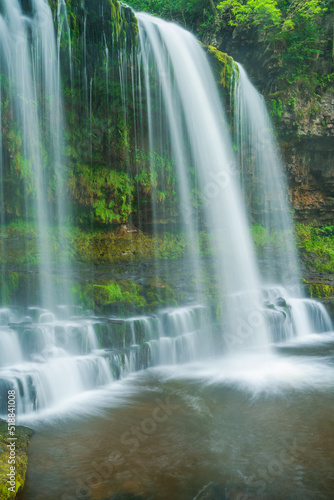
<point>223,65</point>
<point>319,290</point>
<point>126,297</point>
<point>23,435</point>
<point>159,293</point>
<point>114,18</point>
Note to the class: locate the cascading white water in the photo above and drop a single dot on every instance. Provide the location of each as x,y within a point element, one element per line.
<point>29,63</point>
<point>266,192</point>
<point>64,32</point>
<point>263,179</point>
<point>199,138</point>
<point>2,205</point>
<point>49,360</point>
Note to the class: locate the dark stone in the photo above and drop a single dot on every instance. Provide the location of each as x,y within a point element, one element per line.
<point>5,386</point>
<point>27,7</point>
<point>269,305</point>
<point>280,302</point>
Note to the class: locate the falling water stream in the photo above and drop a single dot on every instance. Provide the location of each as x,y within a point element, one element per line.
<point>174,402</point>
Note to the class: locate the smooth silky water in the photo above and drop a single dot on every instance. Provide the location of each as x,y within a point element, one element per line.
<point>246,405</point>
<point>258,428</point>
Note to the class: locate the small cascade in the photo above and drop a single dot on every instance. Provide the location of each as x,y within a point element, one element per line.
<point>49,360</point>
<point>290,317</point>
<point>10,350</point>
<point>181,349</point>
<point>184,334</point>
<point>318,316</point>
<point>185,319</point>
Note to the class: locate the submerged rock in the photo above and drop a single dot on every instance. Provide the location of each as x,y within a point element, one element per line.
<point>280,302</point>
<point>23,435</point>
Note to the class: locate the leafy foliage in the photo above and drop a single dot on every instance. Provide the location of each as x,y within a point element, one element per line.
<point>317,244</point>
<point>320,290</point>
<point>199,15</point>
<point>107,192</point>
<point>298,32</point>
<point>263,13</point>
<point>114,293</point>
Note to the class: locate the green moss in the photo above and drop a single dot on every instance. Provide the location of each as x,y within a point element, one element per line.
<point>317,246</point>
<point>9,283</point>
<point>108,246</point>
<point>122,291</point>
<point>124,297</point>
<point>223,65</point>
<point>108,192</point>
<point>277,108</point>
<point>158,293</point>
<point>23,435</point>
<point>319,290</point>
<point>120,19</point>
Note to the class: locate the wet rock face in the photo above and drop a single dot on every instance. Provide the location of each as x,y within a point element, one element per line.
<point>305,125</point>
<point>306,139</point>
<point>27,6</point>
<point>317,118</point>
<point>23,435</point>
<point>309,162</point>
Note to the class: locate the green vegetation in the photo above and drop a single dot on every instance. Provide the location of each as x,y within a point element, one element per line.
<point>276,110</point>
<point>124,296</point>
<point>110,175</point>
<point>320,290</point>
<point>317,246</point>
<point>223,65</point>
<point>262,237</point>
<point>102,245</point>
<point>299,34</point>
<point>23,435</point>
<point>115,293</point>
<point>108,245</point>
<point>259,13</point>
<point>199,15</point>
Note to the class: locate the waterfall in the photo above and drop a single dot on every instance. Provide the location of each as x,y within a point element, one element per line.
<point>52,352</point>
<point>34,118</point>
<point>195,124</point>
<point>266,191</point>
<point>2,206</point>
<point>263,179</point>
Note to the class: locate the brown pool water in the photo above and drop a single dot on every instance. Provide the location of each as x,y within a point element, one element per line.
<point>257,427</point>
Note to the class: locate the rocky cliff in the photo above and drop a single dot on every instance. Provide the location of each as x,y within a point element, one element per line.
<point>304,120</point>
